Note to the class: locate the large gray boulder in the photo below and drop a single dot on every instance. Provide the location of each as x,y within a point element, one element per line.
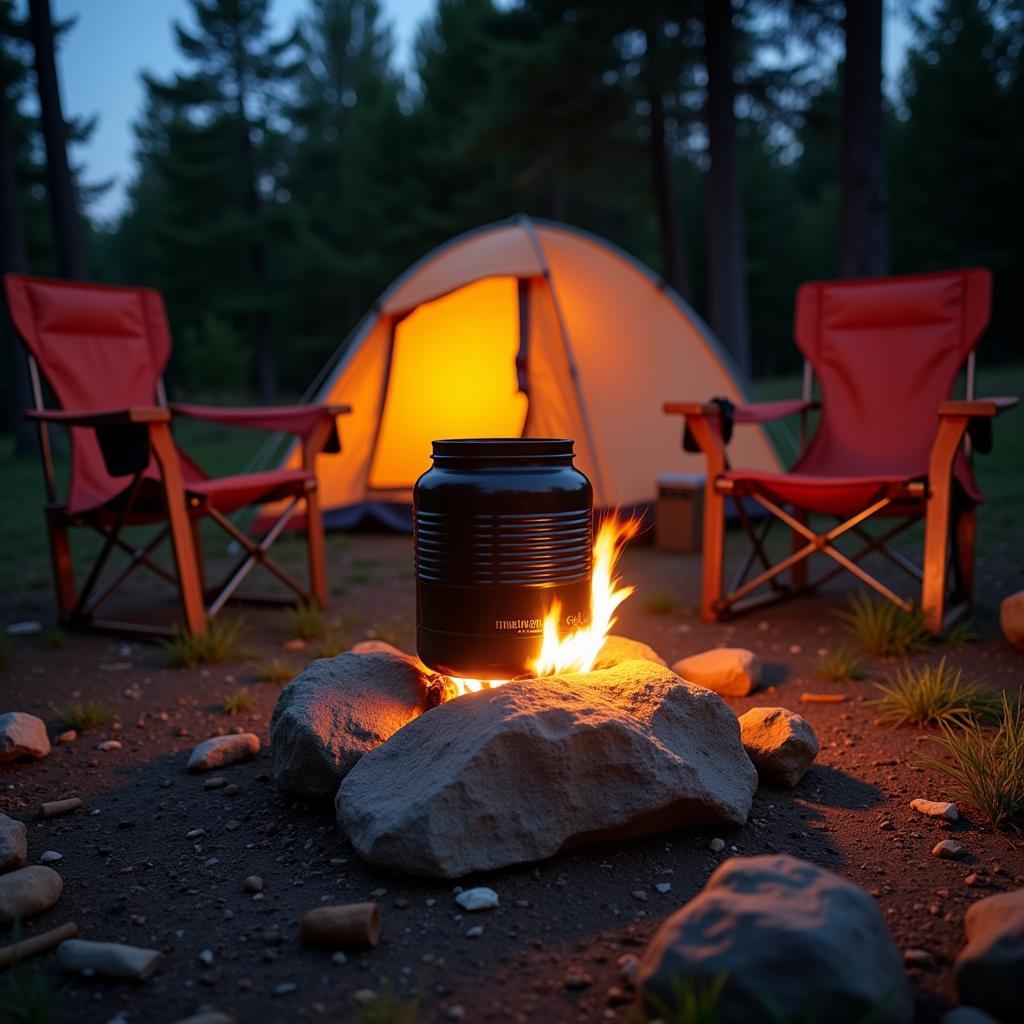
<point>990,967</point>
<point>339,708</point>
<point>792,941</point>
<point>22,735</point>
<point>521,771</point>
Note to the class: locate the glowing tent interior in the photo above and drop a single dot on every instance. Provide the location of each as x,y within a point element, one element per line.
<point>521,328</point>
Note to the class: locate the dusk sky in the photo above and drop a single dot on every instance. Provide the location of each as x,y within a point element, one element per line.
<point>113,41</point>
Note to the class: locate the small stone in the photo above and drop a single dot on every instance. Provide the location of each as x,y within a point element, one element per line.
<point>948,849</point>
<point>729,671</point>
<point>217,782</point>
<point>455,1013</point>
<point>885,825</point>
<point>196,833</point>
<point>68,736</point>
<point>109,745</point>
<point>475,932</point>
<point>639,894</point>
<point>917,958</point>
<point>339,958</point>
<point>231,789</point>
<point>30,627</point>
<point>28,891</point>
<point>663,887</point>
<point>364,996</point>
<point>973,880</point>
<point>50,857</point>
<point>781,744</point>
<point>285,988</point>
<point>13,844</point>
<point>616,996</point>
<point>627,965</point>
<point>717,845</point>
<point>480,898</point>
<point>22,735</point>
<point>935,809</point>
<point>206,957</point>
<point>296,643</point>
<point>223,750</point>
<point>1011,619</point>
<point>578,980</point>
<point>253,884</point>
<point>110,959</point>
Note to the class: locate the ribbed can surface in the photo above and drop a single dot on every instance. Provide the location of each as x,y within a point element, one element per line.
<point>503,529</point>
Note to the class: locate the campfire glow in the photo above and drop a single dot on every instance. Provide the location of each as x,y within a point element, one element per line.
<point>577,651</point>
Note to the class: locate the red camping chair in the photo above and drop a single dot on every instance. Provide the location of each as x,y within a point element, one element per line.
<point>102,350</point>
<point>889,442</point>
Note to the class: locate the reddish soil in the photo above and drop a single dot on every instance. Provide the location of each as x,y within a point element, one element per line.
<point>132,874</point>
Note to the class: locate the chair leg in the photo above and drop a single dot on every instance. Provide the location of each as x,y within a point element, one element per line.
<point>798,574</point>
<point>714,553</point>
<point>936,555</point>
<point>63,567</point>
<point>315,547</point>
<point>964,531</point>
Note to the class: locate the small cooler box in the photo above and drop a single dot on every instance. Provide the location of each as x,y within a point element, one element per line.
<point>679,517</point>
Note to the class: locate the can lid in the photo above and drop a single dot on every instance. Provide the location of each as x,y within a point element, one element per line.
<point>502,447</point>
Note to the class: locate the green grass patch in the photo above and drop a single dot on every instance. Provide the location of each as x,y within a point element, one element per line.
<point>277,671</point>
<point>882,628</point>
<point>389,1008</point>
<point>960,635</point>
<point>692,1002</point>
<point>305,621</point>
<point>29,997</point>
<point>841,665</point>
<point>221,642</point>
<point>238,703</point>
<point>932,695</point>
<point>986,766</point>
<point>85,715</point>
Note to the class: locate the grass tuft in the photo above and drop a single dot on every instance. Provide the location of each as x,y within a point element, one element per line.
<point>691,1002</point>
<point>85,715</point>
<point>238,703</point>
<point>306,621</point>
<point>29,997</point>
<point>221,642</point>
<point>333,643</point>
<point>277,671</point>
<point>986,766</point>
<point>842,664</point>
<point>661,604</point>
<point>388,1008</point>
<point>932,695</point>
<point>960,635</point>
<point>883,629</point>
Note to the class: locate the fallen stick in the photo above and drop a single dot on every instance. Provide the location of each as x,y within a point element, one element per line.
<point>352,924</point>
<point>823,698</point>
<point>57,807</point>
<point>37,944</point>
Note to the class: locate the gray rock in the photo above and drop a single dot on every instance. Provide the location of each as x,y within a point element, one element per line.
<point>22,735</point>
<point>221,750</point>
<point>109,959</point>
<point>948,849</point>
<point>968,1015</point>
<point>28,891</point>
<point>729,671</point>
<point>521,771</point>
<point>785,932</point>
<point>13,844</point>
<point>935,809</point>
<point>339,708</point>
<point>618,649</point>
<point>990,967</point>
<point>781,744</point>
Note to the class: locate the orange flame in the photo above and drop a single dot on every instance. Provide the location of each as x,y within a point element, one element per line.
<point>577,651</point>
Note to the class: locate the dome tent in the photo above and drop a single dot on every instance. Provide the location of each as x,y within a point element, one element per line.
<point>521,328</point>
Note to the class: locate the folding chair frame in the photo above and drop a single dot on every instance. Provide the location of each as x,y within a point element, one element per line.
<point>949,518</point>
<point>77,607</point>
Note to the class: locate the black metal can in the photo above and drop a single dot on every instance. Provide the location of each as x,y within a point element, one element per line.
<point>503,529</point>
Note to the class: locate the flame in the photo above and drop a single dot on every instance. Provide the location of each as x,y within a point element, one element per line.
<point>578,651</point>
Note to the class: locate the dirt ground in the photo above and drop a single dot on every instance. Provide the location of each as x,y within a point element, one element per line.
<point>136,869</point>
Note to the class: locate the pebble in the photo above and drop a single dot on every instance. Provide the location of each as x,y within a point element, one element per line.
<point>68,736</point>
<point>717,845</point>
<point>195,833</point>
<point>285,988</point>
<point>339,958</point>
<point>28,891</point>
<point>935,809</point>
<point>50,857</point>
<point>973,880</point>
<point>639,894</point>
<point>663,887</point>
<point>108,958</point>
<point>364,996</point>
<point>206,957</point>
<point>30,627</point>
<point>475,932</point>
<point>253,884</point>
<point>917,957</point>
<point>578,980</point>
<point>215,783</point>
<point>948,849</point>
<point>22,735</point>
<point>108,745</point>
<point>223,750</point>
<point>13,844</point>
<point>480,898</point>
<point>627,965</point>
<point>231,789</point>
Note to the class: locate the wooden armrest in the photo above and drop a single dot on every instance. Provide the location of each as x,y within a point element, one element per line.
<point>691,409</point>
<point>101,418</point>
<point>293,419</point>
<point>978,406</point>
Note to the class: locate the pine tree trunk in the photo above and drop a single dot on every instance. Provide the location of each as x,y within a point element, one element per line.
<point>727,270</point>
<point>863,245</point>
<point>12,253</point>
<point>674,268</point>
<point>68,238</point>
